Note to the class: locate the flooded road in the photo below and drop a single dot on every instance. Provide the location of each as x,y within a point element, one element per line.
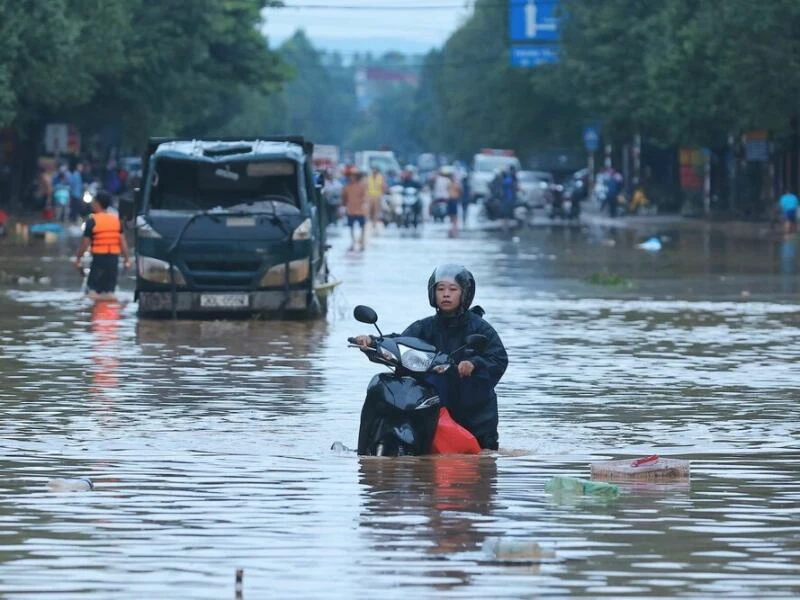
<point>209,442</point>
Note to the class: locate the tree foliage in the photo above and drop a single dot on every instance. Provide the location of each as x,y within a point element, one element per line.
<point>676,71</point>
<point>152,67</point>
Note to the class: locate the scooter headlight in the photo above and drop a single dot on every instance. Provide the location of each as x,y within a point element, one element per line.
<point>415,360</point>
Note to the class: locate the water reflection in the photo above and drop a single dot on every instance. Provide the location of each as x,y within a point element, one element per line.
<point>789,264</point>
<point>208,440</point>
<point>452,495</point>
<point>274,361</point>
<point>105,320</point>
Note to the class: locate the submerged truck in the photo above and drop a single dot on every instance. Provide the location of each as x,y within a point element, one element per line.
<point>230,227</point>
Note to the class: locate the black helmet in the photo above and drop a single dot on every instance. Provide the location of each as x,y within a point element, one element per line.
<point>457,274</point>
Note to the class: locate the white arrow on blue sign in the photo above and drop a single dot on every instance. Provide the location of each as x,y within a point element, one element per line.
<point>533,20</point>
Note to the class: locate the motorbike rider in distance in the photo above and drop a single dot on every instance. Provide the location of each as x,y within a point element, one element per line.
<point>467,391</point>
<point>412,203</point>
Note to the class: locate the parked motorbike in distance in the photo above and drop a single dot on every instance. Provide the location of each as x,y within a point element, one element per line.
<point>401,409</point>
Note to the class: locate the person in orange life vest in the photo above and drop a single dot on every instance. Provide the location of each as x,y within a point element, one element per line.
<point>103,231</point>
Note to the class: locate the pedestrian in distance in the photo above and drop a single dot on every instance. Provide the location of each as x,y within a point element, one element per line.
<point>332,192</point>
<point>465,199</point>
<point>613,183</point>
<point>354,202</point>
<point>43,189</point>
<point>453,200</point>
<point>61,195</point>
<point>75,190</point>
<point>467,391</point>
<point>510,187</point>
<point>103,233</point>
<point>376,188</point>
<point>441,194</point>
<point>789,203</point>
<point>494,203</point>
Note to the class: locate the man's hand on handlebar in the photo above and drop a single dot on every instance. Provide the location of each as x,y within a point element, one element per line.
<point>465,368</point>
<point>365,341</point>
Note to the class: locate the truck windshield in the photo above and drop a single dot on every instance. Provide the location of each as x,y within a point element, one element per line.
<point>185,185</point>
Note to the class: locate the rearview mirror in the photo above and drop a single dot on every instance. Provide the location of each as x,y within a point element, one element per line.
<point>364,314</point>
<point>477,342</point>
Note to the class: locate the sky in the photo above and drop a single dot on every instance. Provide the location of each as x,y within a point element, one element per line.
<point>409,26</point>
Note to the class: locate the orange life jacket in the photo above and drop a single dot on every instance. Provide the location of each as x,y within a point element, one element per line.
<point>106,234</point>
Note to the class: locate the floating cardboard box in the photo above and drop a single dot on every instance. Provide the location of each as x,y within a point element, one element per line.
<point>652,468</point>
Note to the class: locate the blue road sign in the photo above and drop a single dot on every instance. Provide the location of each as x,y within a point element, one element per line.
<point>526,55</point>
<point>591,139</point>
<point>533,20</point>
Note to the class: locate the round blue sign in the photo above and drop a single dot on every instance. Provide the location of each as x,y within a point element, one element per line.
<point>591,139</point>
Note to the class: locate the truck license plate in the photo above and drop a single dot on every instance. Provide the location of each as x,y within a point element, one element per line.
<point>240,221</point>
<point>224,300</point>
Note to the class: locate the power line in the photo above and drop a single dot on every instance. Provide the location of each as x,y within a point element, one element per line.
<point>463,5</point>
<point>406,7</point>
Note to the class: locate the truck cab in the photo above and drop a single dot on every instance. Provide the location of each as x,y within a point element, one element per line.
<point>229,228</point>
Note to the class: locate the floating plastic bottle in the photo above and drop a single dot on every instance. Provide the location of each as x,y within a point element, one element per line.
<point>515,550</point>
<point>562,484</point>
<point>70,484</point>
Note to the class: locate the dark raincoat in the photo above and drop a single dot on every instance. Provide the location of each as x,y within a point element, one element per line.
<point>471,400</point>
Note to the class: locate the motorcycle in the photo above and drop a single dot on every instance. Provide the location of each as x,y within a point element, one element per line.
<point>412,207</point>
<point>401,410</point>
<point>392,206</point>
<point>564,204</point>
<point>439,210</point>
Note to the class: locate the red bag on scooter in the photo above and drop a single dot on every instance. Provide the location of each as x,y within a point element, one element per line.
<point>452,438</point>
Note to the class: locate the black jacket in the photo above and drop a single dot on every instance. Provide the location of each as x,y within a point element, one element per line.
<point>474,404</point>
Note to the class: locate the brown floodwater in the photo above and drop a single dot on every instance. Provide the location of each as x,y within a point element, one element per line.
<point>208,443</point>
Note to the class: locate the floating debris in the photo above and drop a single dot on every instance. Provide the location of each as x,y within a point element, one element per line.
<point>651,467</point>
<point>512,551</point>
<point>339,448</point>
<point>562,484</point>
<point>651,245</point>
<point>239,583</point>
<point>70,484</point>
<point>324,289</point>
<point>608,279</point>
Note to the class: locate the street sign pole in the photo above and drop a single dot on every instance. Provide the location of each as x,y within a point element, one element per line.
<point>591,140</point>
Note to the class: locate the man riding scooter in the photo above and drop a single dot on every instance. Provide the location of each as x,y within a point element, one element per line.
<point>412,203</point>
